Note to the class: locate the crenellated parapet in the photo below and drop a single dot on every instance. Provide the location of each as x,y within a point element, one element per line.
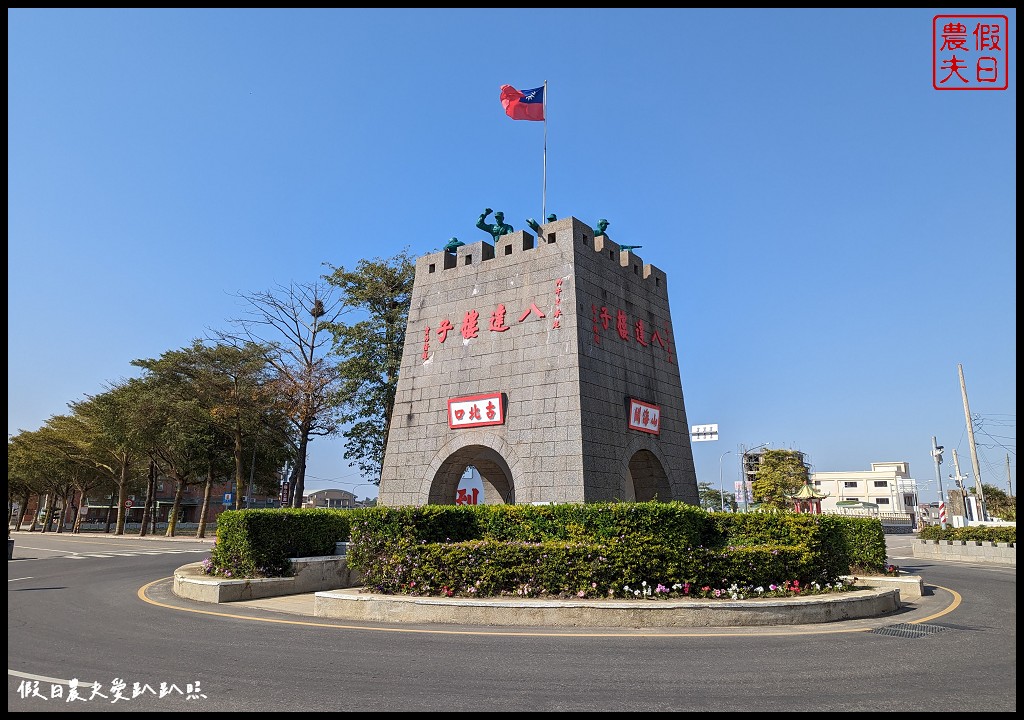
<point>562,236</point>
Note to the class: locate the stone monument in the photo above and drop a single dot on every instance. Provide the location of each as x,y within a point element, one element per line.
<point>549,364</point>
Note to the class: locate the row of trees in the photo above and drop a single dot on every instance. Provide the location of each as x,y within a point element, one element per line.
<point>305,360</point>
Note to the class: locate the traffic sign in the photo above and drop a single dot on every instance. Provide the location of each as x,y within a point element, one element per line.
<point>128,503</point>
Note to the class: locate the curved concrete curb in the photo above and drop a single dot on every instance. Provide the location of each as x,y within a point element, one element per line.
<point>911,587</point>
<point>351,604</point>
<point>310,574</point>
<point>336,594</point>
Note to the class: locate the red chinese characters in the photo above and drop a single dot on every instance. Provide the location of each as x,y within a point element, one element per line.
<point>970,52</point>
<point>467,497</point>
<point>470,327</point>
<point>442,330</point>
<point>639,333</point>
<point>627,331</point>
<point>475,411</point>
<point>644,417</point>
<point>622,324</point>
<point>533,309</point>
<point>498,320</point>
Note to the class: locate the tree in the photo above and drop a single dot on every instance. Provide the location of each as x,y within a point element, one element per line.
<point>779,474</point>
<point>379,291</point>
<point>290,324</point>
<point>110,440</point>
<point>61,439</point>
<point>998,503</point>
<point>231,385</point>
<point>178,435</point>
<point>26,476</point>
<point>712,498</point>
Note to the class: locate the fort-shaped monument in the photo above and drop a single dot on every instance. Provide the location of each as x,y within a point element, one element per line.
<point>549,364</point>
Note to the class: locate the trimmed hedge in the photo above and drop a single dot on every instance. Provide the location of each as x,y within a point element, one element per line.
<point>971,532</point>
<point>583,550</point>
<point>596,549</point>
<point>259,543</point>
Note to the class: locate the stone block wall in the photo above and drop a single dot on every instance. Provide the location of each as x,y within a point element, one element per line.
<point>565,329</point>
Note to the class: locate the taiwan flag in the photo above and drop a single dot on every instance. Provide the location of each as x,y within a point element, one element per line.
<point>523,104</point>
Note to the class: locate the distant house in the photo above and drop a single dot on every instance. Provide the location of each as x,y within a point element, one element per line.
<point>886,488</point>
<point>332,498</point>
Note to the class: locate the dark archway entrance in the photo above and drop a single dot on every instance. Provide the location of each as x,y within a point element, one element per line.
<point>494,472</point>
<point>650,482</point>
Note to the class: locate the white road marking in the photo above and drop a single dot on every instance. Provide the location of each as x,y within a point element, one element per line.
<point>51,680</point>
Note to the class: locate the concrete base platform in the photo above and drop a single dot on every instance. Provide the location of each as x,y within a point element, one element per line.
<point>351,604</point>
<point>324,587</point>
<point>310,574</point>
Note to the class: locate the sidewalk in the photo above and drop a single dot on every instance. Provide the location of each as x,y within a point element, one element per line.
<point>210,539</point>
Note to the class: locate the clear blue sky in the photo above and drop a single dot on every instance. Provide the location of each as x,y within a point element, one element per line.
<point>837,234</point>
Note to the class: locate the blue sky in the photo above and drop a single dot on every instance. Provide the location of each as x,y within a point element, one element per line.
<point>837,234</point>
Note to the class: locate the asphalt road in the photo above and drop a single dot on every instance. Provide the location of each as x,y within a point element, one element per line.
<point>99,609</point>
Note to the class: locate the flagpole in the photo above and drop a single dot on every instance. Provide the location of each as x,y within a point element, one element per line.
<point>544,188</point>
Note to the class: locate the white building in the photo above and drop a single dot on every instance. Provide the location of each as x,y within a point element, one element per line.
<point>886,488</point>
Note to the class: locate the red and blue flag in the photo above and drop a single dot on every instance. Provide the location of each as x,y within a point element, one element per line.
<point>523,104</point>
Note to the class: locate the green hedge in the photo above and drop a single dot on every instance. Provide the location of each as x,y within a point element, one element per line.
<point>259,543</point>
<point>971,532</point>
<point>596,549</point>
<point>585,550</point>
<point>674,523</point>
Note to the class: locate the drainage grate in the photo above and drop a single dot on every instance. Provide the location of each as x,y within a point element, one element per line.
<point>907,630</point>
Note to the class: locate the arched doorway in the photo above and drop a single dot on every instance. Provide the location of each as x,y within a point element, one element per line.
<point>650,482</point>
<point>494,475</point>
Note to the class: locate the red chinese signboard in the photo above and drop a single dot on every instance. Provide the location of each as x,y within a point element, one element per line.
<point>644,417</point>
<point>970,52</point>
<point>475,411</point>
<point>467,497</point>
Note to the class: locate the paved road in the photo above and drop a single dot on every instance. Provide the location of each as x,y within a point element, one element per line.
<point>108,617</point>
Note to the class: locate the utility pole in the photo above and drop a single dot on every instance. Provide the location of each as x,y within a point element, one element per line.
<point>937,454</point>
<point>1009,480</point>
<point>974,448</point>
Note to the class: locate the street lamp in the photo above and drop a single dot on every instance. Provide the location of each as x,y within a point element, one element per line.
<point>937,455</point>
<point>743,471</point>
<point>721,485</point>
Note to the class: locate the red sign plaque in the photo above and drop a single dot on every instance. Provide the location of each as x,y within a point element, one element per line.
<point>644,417</point>
<point>475,411</point>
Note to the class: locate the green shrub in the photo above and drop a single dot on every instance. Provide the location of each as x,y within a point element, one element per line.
<point>979,533</point>
<point>567,550</point>
<point>259,543</point>
<point>599,549</point>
